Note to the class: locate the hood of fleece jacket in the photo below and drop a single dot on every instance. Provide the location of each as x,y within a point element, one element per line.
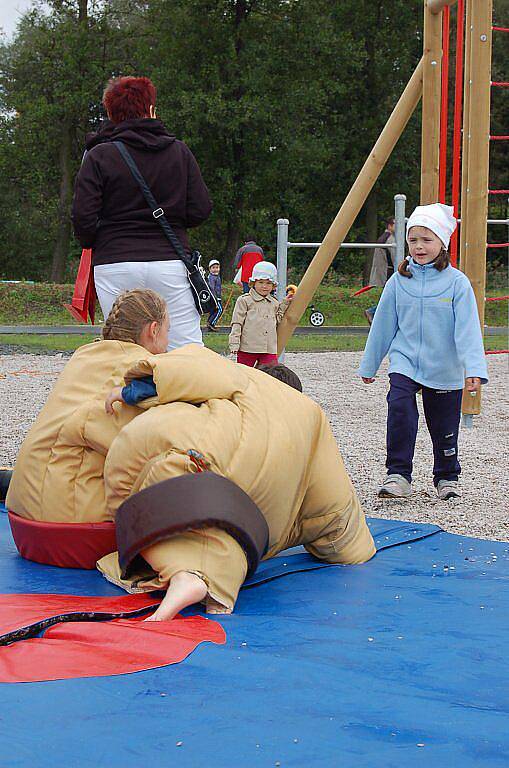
<point>142,133</point>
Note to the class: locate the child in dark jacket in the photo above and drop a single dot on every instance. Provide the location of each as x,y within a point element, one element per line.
<point>214,281</point>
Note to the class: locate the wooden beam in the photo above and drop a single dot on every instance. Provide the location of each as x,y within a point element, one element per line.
<point>474,208</point>
<point>352,205</point>
<point>431,96</point>
<point>436,6</point>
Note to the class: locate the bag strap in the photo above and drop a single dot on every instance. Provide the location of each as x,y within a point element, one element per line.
<point>157,211</point>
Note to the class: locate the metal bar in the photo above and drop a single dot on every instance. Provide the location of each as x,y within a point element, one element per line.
<point>399,229</point>
<point>343,245</point>
<point>282,265</point>
<point>456,131</point>
<point>444,108</point>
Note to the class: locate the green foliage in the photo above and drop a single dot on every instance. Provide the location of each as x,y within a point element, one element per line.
<point>280,100</point>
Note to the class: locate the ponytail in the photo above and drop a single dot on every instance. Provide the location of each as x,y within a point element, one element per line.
<point>441,262</point>
<point>403,267</point>
<point>131,312</point>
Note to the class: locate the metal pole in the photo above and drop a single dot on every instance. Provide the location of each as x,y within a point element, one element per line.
<point>282,265</point>
<point>399,233</point>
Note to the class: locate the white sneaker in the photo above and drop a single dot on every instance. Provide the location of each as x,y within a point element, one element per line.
<point>448,489</point>
<point>395,487</point>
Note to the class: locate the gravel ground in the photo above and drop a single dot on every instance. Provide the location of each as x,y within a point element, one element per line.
<point>357,414</point>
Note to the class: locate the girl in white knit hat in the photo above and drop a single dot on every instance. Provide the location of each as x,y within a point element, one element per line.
<point>428,324</point>
<point>253,338</point>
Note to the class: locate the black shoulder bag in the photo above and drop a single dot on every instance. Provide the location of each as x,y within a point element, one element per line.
<point>203,297</point>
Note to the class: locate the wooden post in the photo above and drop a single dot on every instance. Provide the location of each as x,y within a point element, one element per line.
<point>352,205</point>
<point>474,208</point>
<point>435,6</point>
<point>431,96</point>
<point>465,140</point>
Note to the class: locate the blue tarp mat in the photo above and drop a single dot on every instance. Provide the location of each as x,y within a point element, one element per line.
<point>399,661</point>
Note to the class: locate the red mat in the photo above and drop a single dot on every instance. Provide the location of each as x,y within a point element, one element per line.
<point>94,648</point>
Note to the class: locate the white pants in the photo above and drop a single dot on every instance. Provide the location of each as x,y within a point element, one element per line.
<point>168,278</point>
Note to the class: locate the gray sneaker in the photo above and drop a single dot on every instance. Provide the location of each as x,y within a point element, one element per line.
<point>395,487</point>
<point>448,489</point>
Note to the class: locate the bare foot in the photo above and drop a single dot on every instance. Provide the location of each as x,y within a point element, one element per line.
<point>212,606</point>
<point>184,589</point>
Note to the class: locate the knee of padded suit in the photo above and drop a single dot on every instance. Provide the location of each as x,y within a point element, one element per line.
<point>5,479</point>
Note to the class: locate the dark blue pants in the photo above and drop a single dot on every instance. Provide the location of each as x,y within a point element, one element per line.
<point>442,410</point>
<point>216,314</point>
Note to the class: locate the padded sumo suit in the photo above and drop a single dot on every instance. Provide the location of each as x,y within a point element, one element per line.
<point>226,465</point>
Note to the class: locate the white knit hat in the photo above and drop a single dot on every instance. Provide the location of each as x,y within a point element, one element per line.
<point>437,217</point>
<point>212,262</point>
<point>264,270</point>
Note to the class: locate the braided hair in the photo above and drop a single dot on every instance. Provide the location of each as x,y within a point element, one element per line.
<point>441,262</point>
<point>130,314</point>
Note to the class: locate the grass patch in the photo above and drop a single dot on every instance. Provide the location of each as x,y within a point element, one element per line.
<point>41,304</point>
<point>218,343</point>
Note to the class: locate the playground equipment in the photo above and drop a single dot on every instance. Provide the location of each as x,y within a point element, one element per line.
<point>470,161</point>
<point>283,244</point>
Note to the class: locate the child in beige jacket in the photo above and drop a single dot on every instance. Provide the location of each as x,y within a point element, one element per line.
<point>253,338</point>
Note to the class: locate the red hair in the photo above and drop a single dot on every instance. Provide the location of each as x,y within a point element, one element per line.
<point>128,98</point>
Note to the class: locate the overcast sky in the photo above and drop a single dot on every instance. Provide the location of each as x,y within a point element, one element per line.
<point>10,12</point>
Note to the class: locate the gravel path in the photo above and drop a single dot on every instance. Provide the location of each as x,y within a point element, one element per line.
<point>357,414</point>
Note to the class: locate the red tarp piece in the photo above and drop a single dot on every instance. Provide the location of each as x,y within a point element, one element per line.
<point>94,649</point>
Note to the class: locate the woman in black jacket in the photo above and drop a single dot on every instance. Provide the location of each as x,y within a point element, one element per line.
<point>110,214</point>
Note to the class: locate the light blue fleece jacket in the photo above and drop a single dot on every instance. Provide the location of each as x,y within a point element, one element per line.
<point>429,326</point>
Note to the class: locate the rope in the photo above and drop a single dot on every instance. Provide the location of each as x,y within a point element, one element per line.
<point>497,245</point>
<point>363,290</point>
<point>500,85</point>
<point>498,191</point>
<point>497,298</point>
<point>499,138</point>
<point>501,29</point>
<point>497,352</point>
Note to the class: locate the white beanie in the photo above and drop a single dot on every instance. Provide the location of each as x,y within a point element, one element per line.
<point>212,262</point>
<point>264,270</point>
<point>437,217</point>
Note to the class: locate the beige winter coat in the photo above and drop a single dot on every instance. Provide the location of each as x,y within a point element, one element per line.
<point>254,323</point>
<point>58,475</point>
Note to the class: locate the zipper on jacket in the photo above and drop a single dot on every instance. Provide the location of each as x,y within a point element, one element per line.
<point>421,317</point>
